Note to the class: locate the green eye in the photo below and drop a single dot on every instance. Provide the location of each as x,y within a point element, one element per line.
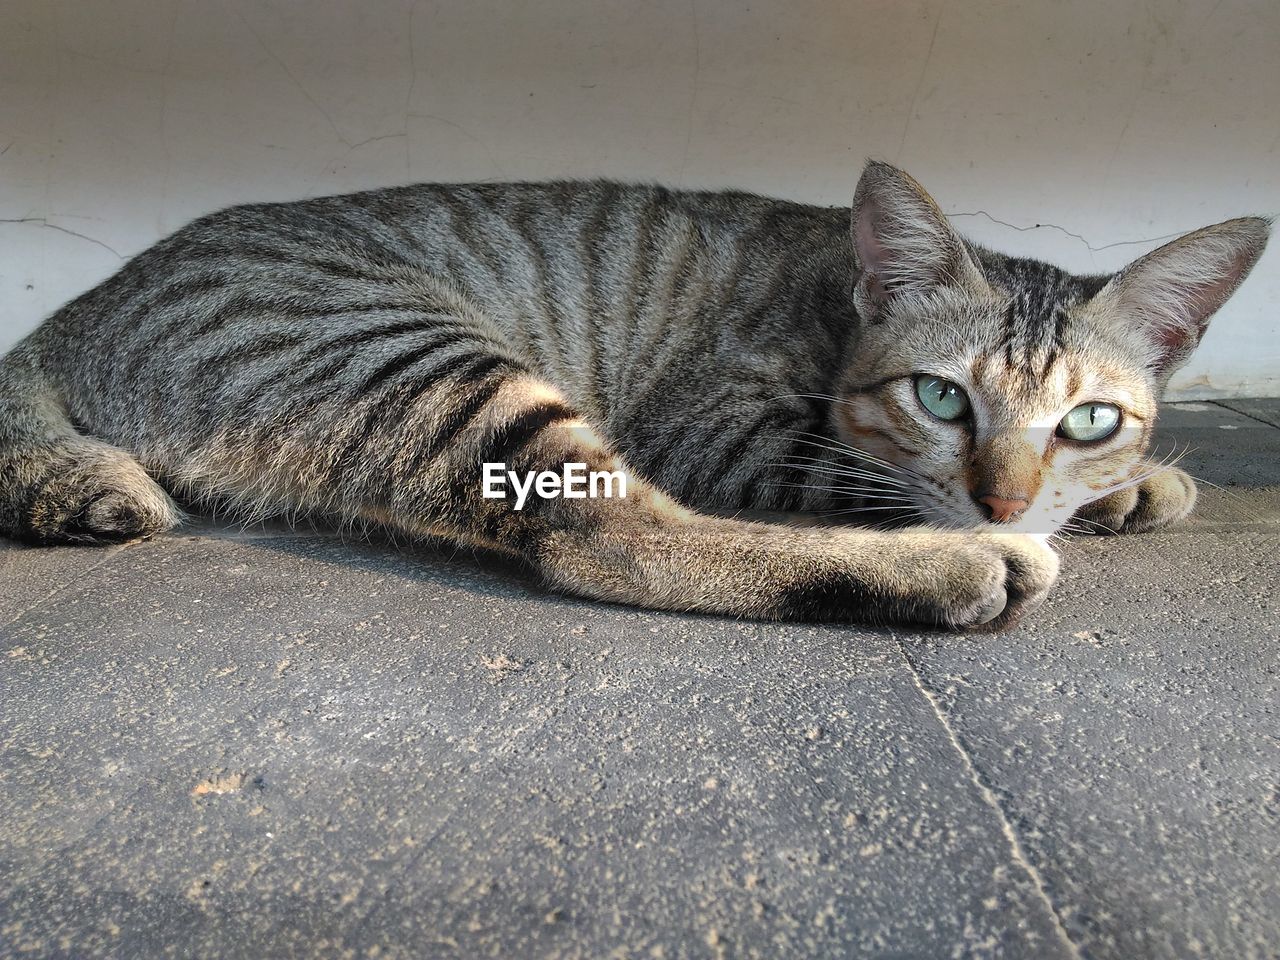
<point>1090,422</point>
<point>941,397</point>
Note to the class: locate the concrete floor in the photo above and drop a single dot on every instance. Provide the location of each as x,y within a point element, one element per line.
<point>253,744</point>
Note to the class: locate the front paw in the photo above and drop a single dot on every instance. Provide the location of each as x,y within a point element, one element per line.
<point>1156,502</point>
<point>985,581</point>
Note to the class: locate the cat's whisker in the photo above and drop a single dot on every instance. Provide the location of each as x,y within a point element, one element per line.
<point>832,469</point>
<point>1070,529</point>
<point>838,463</point>
<point>894,522</point>
<point>840,489</point>
<point>1097,525</point>
<point>808,396</point>
<point>841,513</point>
<point>1237,499</point>
<point>835,475</point>
<point>852,491</point>
<point>1125,485</point>
<point>1168,462</point>
<point>825,443</point>
<point>853,451</point>
<point>890,525</point>
<point>846,450</point>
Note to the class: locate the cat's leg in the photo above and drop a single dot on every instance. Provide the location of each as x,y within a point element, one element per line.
<point>409,454</point>
<point>647,550</point>
<point>59,486</point>
<point>1165,497</point>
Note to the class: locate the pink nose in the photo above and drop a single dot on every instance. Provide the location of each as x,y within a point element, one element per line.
<point>1002,510</point>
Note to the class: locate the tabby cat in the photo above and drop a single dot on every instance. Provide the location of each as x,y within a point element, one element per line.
<point>360,358</point>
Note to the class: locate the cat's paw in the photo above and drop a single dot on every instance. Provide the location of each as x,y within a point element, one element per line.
<point>102,499</point>
<point>982,581</point>
<point>1156,502</point>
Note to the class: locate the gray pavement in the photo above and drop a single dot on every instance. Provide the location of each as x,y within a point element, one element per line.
<point>269,743</point>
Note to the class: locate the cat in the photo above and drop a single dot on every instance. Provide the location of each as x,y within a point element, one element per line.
<point>361,359</point>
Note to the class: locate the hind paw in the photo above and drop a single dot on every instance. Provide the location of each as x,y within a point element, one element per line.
<point>103,503</point>
<point>112,516</point>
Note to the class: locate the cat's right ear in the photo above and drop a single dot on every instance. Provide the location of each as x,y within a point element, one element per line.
<point>902,241</point>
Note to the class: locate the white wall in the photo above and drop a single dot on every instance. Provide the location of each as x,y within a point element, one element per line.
<point>1079,132</point>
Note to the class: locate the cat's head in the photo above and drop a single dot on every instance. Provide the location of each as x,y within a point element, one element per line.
<point>1007,390</point>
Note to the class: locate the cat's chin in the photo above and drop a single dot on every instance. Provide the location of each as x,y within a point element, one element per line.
<point>1039,527</point>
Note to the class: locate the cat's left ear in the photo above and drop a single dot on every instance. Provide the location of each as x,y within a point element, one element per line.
<point>1172,292</point>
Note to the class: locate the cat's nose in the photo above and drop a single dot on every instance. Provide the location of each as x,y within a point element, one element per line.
<point>1001,510</point>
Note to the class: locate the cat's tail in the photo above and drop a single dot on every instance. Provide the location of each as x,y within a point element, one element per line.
<point>58,485</point>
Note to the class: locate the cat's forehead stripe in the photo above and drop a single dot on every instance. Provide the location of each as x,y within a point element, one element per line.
<point>1036,314</point>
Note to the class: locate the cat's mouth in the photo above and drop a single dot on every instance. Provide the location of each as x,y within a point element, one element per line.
<point>937,505</point>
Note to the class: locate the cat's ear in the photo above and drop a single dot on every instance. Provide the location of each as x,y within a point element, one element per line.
<point>1172,292</point>
<point>902,240</point>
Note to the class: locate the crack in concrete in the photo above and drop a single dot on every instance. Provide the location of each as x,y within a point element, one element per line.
<point>990,798</point>
<point>1063,230</point>
<point>109,554</point>
<point>1226,405</point>
<point>43,222</point>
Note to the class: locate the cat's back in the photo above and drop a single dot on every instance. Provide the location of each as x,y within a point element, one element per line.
<point>581,278</point>
<point>483,232</point>
<point>555,252</point>
<point>435,225</point>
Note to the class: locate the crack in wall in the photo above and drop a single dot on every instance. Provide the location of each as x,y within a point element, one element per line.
<point>1064,231</point>
<point>293,79</point>
<point>915,94</point>
<point>384,136</point>
<point>44,222</point>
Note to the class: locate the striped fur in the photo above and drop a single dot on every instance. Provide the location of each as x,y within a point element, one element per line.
<point>359,357</point>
